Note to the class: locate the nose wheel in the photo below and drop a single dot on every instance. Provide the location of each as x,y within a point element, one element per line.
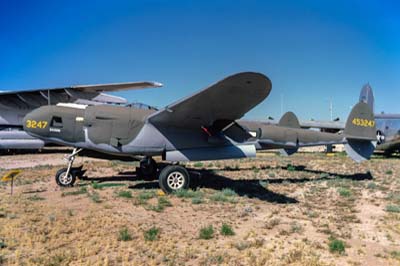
<point>66,177</point>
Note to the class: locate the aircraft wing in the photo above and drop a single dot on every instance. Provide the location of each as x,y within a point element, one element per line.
<point>218,105</point>
<point>96,88</point>
<point>38,97</point>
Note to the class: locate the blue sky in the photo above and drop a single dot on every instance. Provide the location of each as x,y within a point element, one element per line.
<point>312,51</point>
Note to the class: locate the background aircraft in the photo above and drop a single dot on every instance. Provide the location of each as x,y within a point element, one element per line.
<point>14,105</point>
<point>387,125</point>
<point>200,127</point>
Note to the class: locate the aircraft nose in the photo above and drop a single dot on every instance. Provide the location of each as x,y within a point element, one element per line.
<point>37,122</point>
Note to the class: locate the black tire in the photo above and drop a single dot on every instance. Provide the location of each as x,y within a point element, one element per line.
<point>65,182</point>
<point>173,178</point>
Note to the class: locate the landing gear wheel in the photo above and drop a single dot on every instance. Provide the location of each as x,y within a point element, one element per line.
<point>65,180</point>
<point>173,178</point>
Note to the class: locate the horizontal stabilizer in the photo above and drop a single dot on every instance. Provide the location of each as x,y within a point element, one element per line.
<point>359,150</point>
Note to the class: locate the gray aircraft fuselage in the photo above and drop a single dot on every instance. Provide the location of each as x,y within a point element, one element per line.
<point>388,132</point>
<point>125,131</point>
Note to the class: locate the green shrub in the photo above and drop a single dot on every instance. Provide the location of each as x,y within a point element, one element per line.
<point>227,192</point>
<point>197,200</point>
<point>187,193</point>
<point>161,204</point>
<point>389,172</point>
<point>272,223</point>
<point>371,185</point>
<point>336,246</point>
<point>226,230</point>
<point>226,195</point>
<point>291,168</point>
<point>124,235</point>
<point>296,227</point>
<point>393,208</point>
<point>80,191</point>
<point>344,192</point>
<point>96,185</point>
<point>198,164</point>
<point>95,197</point>
<point>2,244</point>
<point>151,234</point>
<point>144,196</point>
<point>35,198</point>
<point>206,232</point>
<point>125,194</point>
<point>395,254</point>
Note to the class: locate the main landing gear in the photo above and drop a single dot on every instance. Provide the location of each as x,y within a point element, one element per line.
<point>173,178</point>
<point>170,177</point>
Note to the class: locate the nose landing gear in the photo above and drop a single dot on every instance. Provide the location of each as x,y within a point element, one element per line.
<point>66,177</point>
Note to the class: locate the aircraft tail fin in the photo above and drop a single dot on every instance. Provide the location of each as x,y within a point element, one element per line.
<point>367,96</point>
<point>360,132</point>
<point>289,119</point>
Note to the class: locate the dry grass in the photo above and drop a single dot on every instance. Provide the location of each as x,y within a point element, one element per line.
<point>271,210</point>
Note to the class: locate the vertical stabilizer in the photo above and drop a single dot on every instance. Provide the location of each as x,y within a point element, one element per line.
<point>367,96</point>
<point>360,133</point>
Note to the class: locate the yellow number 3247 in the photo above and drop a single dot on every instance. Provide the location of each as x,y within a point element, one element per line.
<point>36,124</point>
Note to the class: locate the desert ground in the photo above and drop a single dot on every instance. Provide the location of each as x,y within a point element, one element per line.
<point>307,209</point>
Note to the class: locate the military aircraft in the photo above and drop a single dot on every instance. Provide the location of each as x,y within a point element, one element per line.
<point>203,126</point>
<point>14,105</point>
<point>387,125</point>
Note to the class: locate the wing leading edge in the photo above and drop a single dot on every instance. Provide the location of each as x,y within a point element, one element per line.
<point>95,88</point>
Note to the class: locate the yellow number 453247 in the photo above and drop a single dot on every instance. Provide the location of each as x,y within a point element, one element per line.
<point>36,124</point>
<point>363,122</point>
